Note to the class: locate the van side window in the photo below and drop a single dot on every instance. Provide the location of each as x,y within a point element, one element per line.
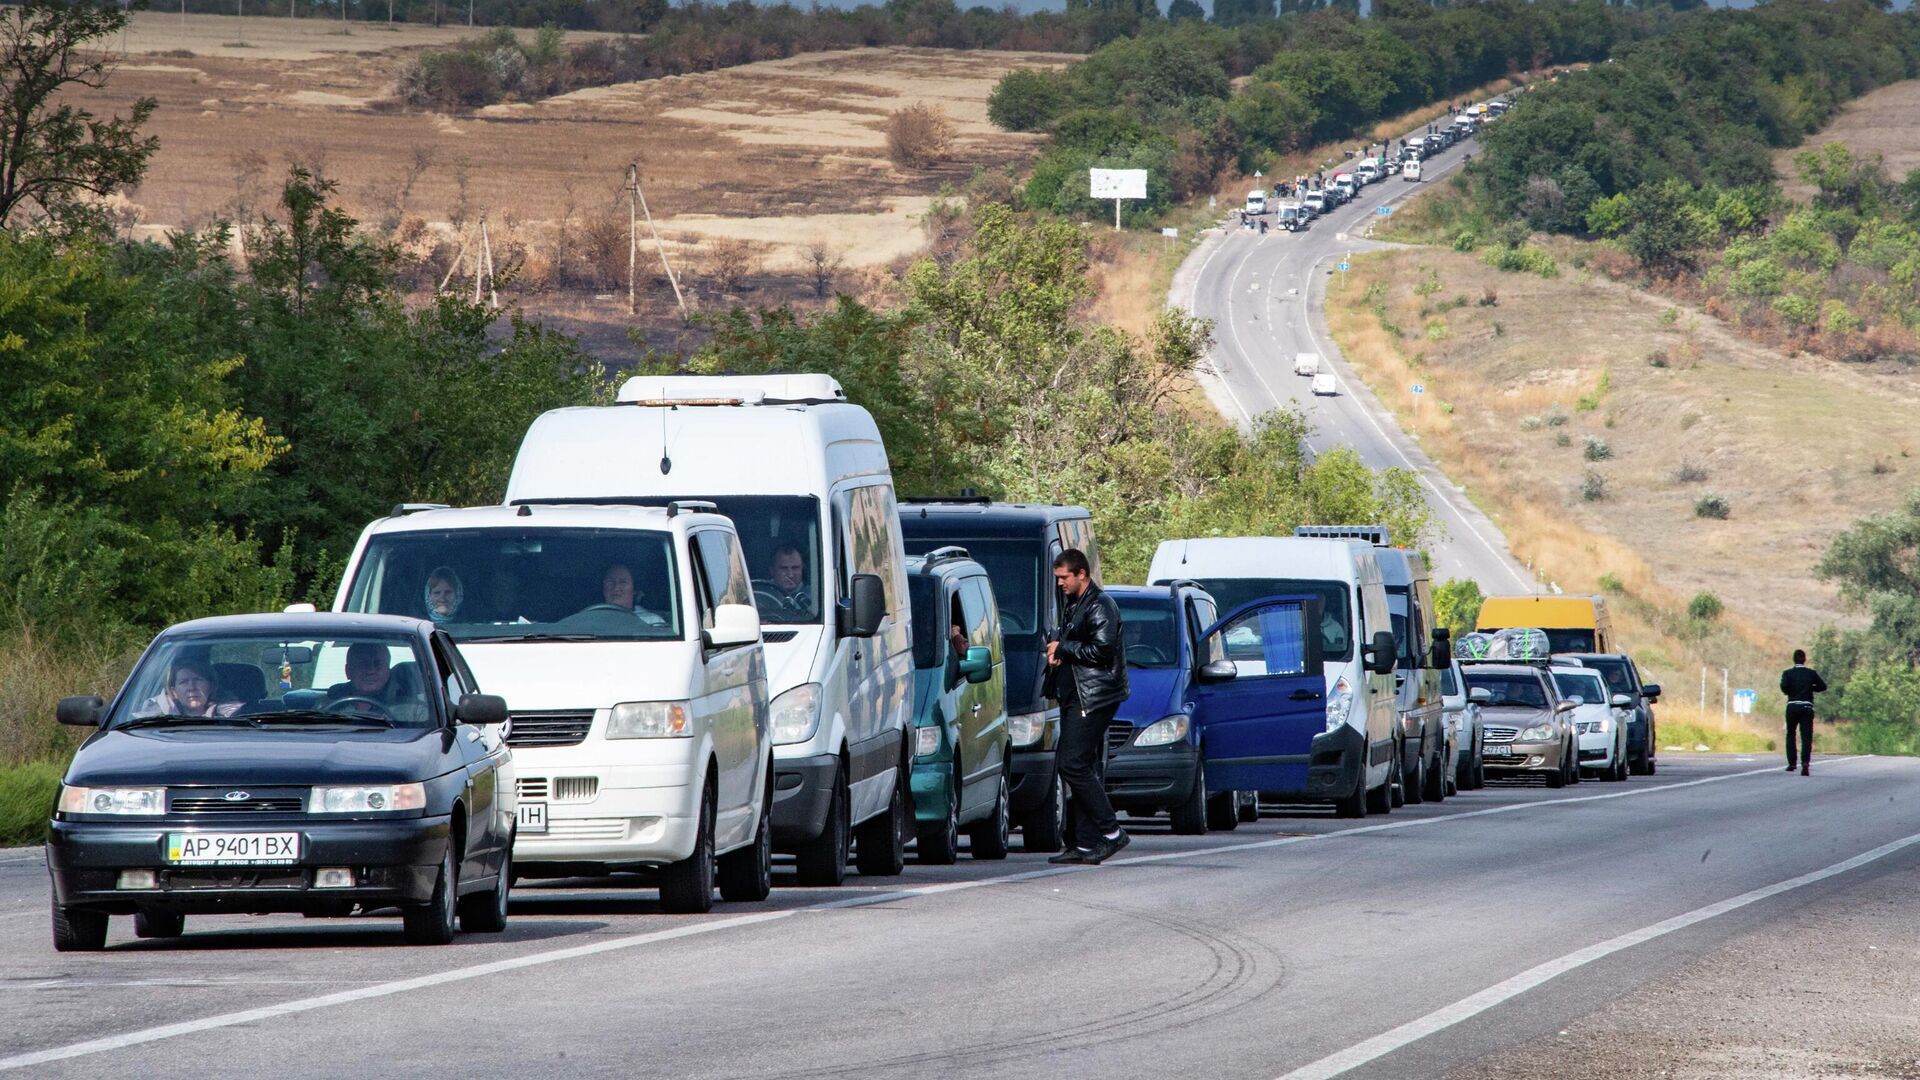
<point>873,534</point>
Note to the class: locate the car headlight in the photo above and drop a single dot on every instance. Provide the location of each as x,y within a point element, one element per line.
<point>1537,733</point>
<point>796,714</point>
<point>1172,729</point>
<point>926,740</point>
<point>112,800</point>
<point>1027,728</point>
<point>649,720</point>
<point>1339,702</point>
<point>361,799</point>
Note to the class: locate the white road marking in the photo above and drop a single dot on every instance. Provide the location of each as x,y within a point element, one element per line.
<point>122,1041</point>
<point>1501,992</point>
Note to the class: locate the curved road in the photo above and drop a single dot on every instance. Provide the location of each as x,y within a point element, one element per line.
<point>1265,296</point>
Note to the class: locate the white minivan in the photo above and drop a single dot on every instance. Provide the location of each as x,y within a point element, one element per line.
<point>1306,363</point>
<point>1346,756</point>
<point>628,641</point>
<point>803,475</point>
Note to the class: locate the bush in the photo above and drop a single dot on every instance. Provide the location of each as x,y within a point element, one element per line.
<point>1658,358</point>
<point>1456,603</point>
<point>1704,607</point>
<point>1593,487</point>
<point>1025,100</point>
<point>458,78</point>
<point>1556,418</point>
<point>27,793</point>
<point>1688,472</point>
<point>918,136</point>
<point>1597,449</point>
<point>1561,438</point>
<point>1524,259</point>
<point>1712,505</point>
<point>1530,423</point>
<point>1611,584</point>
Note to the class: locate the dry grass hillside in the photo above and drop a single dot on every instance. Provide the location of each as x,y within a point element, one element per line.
<point>1884,122</point>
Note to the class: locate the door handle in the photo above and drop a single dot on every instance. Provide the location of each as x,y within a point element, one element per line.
<point>976,710</point>
<point>1304,695</point>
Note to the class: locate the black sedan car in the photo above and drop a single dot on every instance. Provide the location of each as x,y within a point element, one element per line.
<point>313,763</point>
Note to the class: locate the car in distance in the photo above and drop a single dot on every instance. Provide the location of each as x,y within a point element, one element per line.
<point>1623,677</point>
<point>1324,385</point>
<point>962,752</point>
<point>1526,728</point>
<point>1599,727</point>
<point>312,763</point>
<point>1463,721</point>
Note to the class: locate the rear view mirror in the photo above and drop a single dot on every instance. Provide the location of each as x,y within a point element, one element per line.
<point>481,710</point>
<point>1442,652</point>
<point>1650,691</point>
<point>288,654</point>
<point>1479,695</point>
<point>977,666</point>
<point>1621,701</point>
<point>865,606</point>
<point>1218,671</point>
<point>81,711</point>
<point>1380,653</point>
<point>733,625</point>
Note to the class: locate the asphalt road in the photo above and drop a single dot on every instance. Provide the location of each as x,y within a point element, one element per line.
<point>1265,296</point>
<point>1296,947</point>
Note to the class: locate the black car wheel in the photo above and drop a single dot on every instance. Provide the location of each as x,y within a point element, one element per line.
<point>1435,788</point>
<point>158,924</point>
<point>1189,817</point>
<point>486,913</point>
<point>989,838</point>
<point>746,874</point>
<point>881,843</point>
<point>431,923</point>
<point>686,887</point>
<point>78,930</point>
<point>1397,785</point>
<point>939,841</point>
<point>1044,830</point>
<point>1249,807</point>
<point>823,860</point>
<point>1573,761</point>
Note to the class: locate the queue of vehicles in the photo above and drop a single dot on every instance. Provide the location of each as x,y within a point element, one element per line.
<point>697,655</point>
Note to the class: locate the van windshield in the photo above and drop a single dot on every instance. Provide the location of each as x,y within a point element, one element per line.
<point>1015,571</point>
<point>1150,626</point>
<point>1336,613</point>
<point>531,584</point>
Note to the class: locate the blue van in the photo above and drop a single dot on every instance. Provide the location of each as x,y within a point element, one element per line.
<point>1016,542</point>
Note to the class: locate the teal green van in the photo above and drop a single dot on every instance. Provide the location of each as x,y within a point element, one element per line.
<point>961,739</point>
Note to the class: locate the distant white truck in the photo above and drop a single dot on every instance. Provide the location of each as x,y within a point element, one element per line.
<point>1306,363</point>
<point>1257,202</point>
<point>1410,171</point>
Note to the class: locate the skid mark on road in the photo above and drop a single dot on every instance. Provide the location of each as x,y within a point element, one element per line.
<point>163,1032</point>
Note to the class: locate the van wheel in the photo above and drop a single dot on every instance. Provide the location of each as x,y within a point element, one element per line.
<point>1573,764</point>
<point>686,887</point>
<point>1189,818</point>
<point>987,838</point>
<point>159,924</point>
<point>78,930</point>
<point>1414,788</point>
<point>746,874</point>
<point>1380,799</point>
<point>1435,788</point>
<point>1223,811</point>
<point>1249,807</point>
<point>823,860</point>
<point>1044,830</point>
<point>881,843</point>
<point>939,841</point>
<point>1396,783</point>
<point>431,923</point>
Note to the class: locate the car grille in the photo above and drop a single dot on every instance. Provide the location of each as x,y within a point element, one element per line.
<point>531,787</point>
<point>549,728</point>
<point>776,637</point>
<point>614,828</point>
<point>1119,735</point>
<point>219,805</point>
<point>1501,734</point>
<point>1592,755</point>
<point>575,788</point>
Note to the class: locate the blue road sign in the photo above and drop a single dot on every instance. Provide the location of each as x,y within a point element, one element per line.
<point>1419,389</point>
<point>1343,267</point>
<point>1383,211</point>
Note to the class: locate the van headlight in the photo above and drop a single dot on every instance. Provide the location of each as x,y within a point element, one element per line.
<point>1027,728</point>
<point>649,720</point>
<point>113,800</point>
<point>367,798</point>
<point>1339,702</point>
<point>1172,729</point>
<point>796,714</point>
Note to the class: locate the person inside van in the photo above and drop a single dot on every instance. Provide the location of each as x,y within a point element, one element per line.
<point>443,594</point>
<point>616,590</point>
<point>786,596</point>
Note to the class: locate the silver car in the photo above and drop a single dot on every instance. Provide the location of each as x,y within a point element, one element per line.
<point>1599,721</point>
<point>1466,767</point>
<point>1526,727</point>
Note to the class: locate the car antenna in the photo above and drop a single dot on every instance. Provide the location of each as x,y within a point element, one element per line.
<point>666,463</point>
<point>524,511</point>
<point>1183,550</point>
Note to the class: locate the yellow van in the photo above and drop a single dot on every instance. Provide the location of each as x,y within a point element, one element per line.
<point>1574,624</point>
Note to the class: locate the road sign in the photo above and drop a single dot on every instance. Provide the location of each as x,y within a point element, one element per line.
<point>1169,232</point>
<point>1383,211</point>
<point>1117,183</point>
<point>1743,702</point>
<point>1419,389</point>
<point>1343,266</point>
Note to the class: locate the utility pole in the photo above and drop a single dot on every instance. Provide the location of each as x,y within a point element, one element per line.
<point>636,195</point>
<point>633,232</point>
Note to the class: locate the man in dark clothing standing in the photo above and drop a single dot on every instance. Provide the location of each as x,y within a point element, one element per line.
<point>1800,683</point>
<point>1088,667</point>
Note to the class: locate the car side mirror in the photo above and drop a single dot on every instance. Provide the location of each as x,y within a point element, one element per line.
<point>1442,652</point>
<point>1380,654</point>
<point>1651,691</point>
<point>1566,706</point>
<point>865,606</point>
<point>733,625</point>
<point>977,666</point>
<point>1621,701</point>
<point>82,711</point>
<point>1218,671</point>
<point>481,710</point>
<point>1479,695</point>
<point>1574,699</point>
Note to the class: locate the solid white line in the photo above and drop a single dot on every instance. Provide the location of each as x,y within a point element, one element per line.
<point>1469,1007</point>
<point>495,967</point>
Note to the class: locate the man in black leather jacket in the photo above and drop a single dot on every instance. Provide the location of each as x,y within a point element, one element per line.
<point>1088,662</point>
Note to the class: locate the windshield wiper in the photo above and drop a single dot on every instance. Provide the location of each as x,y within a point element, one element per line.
<point>183,719</point>
<point>496,638</point>
<point>325,716</point>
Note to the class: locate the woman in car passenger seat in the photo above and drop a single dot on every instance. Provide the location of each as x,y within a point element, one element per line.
<point>443,594</point>
<point>189,690</point>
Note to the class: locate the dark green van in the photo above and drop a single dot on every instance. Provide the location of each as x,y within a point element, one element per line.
<point>960,732</point>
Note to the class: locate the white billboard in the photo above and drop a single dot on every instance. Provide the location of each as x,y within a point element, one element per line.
<point>1118,183</point>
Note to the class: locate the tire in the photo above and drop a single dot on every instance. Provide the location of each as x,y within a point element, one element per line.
<point>1413,789</point>
<point>1573,764</point>
<point>822,861</point>
<point>1380,799</point>
<point>1249,807</point>
<point>78,930</point>
<point>1653,765</point>
<point>746,874</point>
<point>1189,818</point>
<point>880,845</point>
<point>1436,785</point>
<point>1223,811</point>
<point>1396,788</point>
<point>158,924</point>
<point>1463,774</point>
<point>486,913</point>
<point>1356,804</point>
<point>686,887</point>
<point>989,839</point>
<point>939,843</point>
<point>432,923</point>
<point>1045,829</point>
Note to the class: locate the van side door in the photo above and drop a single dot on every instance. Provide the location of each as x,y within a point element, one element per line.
<point>723,691</point>
<point>1259,695</point>
<point>878,680</point>
<point>982,706</point>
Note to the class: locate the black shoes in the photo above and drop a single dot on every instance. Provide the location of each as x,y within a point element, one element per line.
<point>1791,766</point>
<point>1070,857</point>
<point>1107,847</point>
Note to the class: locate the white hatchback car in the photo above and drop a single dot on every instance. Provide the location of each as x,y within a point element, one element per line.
<point>1600,728</point>
<point>1324,384</point>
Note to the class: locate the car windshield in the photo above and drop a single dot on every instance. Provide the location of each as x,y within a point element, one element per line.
<point>1614,671</point>
<point>526,584</point>
<point>1522,690</point>
<point>266,678</point>
<point>1586,687</point>
<point>1015,571</point>
<point>1150,624</point>
<point>1336,619</point>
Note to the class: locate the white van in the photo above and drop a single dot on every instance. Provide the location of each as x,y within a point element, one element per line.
<point>803,475</point>
<point>1343,183</point>
<point>1291,215</point>
<point>1306,363</point>
<point>1410,171</point>
<point>627,640</point>
<point>1347,757</point>
<point>1256,202</point>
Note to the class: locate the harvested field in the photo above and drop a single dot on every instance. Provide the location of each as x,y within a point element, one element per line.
<point>1884,122</point>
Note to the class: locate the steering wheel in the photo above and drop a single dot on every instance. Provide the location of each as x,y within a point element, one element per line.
<point>1147,653</point>
<point>350,705</point>
<point>770,600</point>
<point>604,607</point>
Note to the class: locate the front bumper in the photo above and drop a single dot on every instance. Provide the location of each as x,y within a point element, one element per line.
<point>609,815</point>
<point>394,862</point>
<point>1525,757</point>
<point>1032,772</point>
<point>1149,779</point>
<point>932,783</point>
<point>802,791</point>
<point>1596,750</point>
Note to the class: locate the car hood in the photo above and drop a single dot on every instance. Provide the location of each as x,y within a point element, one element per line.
<point>156,756</point>
<point>547,676</point>
<point>1149,695</point>
<point>1514,715</point>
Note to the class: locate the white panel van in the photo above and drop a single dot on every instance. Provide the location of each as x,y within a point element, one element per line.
<point>804,477</point>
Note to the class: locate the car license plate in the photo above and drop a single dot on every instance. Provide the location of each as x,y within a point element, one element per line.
<point>1497,751</point>
<point>247,849</point>
<point>533,817</point>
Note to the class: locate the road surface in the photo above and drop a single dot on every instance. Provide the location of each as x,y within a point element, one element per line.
<point>1265,295</point>
<point>1426,944</point>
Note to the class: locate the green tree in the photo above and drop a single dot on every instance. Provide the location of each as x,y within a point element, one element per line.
<point>1667,230</point>
<point>1025,99</point>
<point>1456,603</point>
<point>1181,10</point>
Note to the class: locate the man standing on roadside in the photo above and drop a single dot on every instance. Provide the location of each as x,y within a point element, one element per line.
<point>1088,667</point>
<point>1800,683</point>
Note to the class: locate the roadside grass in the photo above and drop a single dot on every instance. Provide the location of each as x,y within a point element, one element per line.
<point>27,793</point>
<point>1690,735</point>
<point>37,670</point>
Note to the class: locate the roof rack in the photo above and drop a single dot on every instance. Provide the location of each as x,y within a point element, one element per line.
<point>950,551</point>
<point>691,506</point>
<point>967,495</point>
<point>403,509</point>
<point>1377,535</point>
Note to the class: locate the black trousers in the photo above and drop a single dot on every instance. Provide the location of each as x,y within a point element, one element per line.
<point>1081,760</point>
<point>1800,724</point>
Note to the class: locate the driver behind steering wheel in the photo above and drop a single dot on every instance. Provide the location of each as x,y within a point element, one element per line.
<point>370,687</point>
<point>786,597</point>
